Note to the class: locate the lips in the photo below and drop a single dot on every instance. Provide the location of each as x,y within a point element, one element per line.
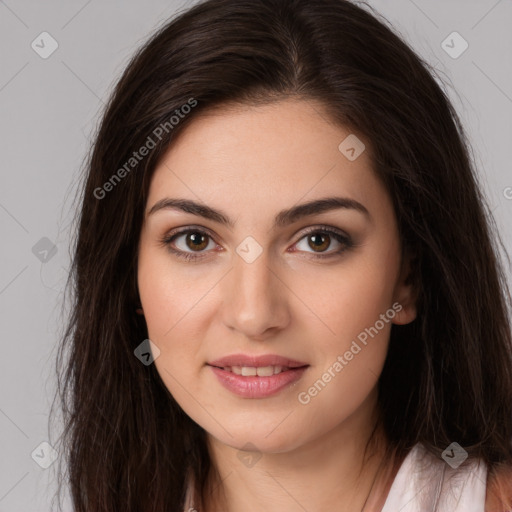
<point>257,376</point>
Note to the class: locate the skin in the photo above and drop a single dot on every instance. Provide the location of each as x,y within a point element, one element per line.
<point>251,163</point>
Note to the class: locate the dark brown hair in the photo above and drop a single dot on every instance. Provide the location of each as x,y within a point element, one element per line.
<point>448,375</point>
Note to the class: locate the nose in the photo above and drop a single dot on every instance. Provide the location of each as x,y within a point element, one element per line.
<point>255,299</point>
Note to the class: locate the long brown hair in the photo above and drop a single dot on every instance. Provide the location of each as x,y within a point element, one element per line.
<point>448,375</point>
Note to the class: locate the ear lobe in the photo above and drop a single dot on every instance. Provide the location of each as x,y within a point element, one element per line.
<point>406,292</point>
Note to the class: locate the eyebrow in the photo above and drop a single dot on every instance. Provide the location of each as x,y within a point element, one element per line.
<point>283,218</point>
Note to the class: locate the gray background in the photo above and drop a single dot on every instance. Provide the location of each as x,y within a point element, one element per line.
<point>48,109</point>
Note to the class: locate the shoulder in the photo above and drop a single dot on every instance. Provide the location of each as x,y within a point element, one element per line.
<point>499,490</point>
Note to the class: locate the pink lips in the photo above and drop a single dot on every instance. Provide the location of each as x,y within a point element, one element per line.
<point>255,386</point>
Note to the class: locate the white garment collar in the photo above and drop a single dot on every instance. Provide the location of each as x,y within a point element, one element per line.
<point>426,483</point>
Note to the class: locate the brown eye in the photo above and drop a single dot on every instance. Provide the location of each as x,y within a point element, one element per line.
<point>196,240</point>
<point>319,241</point>
<point>188,243</point>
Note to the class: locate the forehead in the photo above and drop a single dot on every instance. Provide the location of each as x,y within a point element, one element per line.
<point>267,156</point>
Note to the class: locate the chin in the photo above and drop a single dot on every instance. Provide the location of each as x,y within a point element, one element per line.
<point>259,439</point>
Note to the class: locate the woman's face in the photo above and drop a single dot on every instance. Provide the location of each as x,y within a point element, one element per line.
<point>279,279</point>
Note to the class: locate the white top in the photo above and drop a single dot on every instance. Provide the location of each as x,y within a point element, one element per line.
<point>425,483</point>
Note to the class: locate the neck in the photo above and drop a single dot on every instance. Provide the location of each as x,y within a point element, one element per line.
<point>331,473</point>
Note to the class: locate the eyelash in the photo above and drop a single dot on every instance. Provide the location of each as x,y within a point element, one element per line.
<point>189,256</point>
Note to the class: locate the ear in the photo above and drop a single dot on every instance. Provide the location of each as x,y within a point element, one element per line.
<point>406,292</point>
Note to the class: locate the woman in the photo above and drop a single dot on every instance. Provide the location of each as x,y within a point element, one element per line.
<point>287,289</point>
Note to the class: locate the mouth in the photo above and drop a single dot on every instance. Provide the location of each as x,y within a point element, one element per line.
<point>257,376</point>
<point>274,361</point>
<point>253,371</point>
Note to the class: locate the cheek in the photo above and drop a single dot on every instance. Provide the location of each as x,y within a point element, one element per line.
<point>169,296</point>
<point>350,366</point>
<point>350,297</point>
<point>355,303</point>
<point>169,302</point>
